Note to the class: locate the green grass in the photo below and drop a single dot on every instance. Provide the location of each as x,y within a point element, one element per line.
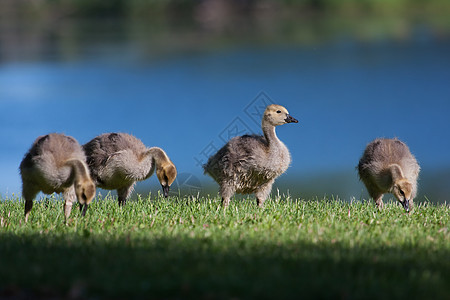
<point>193,248</point>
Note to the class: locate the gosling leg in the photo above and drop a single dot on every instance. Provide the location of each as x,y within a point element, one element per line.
<point>28,194</point>
<point>263,193</point>
<point>69,198</point>
<point>379,201</point>
<point>376,195</point>
<point>123,194</point>
<point>226,191</point>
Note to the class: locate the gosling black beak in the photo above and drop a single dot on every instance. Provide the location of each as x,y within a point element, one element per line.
<point>83,209</point>
<point>405,204</point>
<point>166,189</point>
<point>290,119</point>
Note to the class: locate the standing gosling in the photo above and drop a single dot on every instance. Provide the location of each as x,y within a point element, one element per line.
<point>56,163</point>
<point>118,160</point>
<point>251,163</point>
<point>387,166</point>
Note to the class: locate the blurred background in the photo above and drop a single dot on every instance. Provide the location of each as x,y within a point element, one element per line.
<point>189,75</point>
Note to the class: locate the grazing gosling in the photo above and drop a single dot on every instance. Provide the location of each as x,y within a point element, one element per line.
<point>56,163</point>
<point>251,163</point>
<point>118,160</point>
<point>387,166</point>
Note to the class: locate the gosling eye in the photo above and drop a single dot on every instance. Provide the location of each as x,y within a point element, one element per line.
<point>402,193</point>
<point>83,196</point>
<point>278,111</point>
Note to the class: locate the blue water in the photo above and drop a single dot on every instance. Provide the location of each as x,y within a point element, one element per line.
<point>344,94</point>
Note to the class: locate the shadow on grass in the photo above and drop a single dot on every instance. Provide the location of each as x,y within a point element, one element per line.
<point>82,266</point>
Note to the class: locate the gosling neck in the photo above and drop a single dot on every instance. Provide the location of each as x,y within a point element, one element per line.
<point>79,170</point>
<point>269,133</point>
<point>158,155</point>
<point>158,158</point>
<point>396,172</point>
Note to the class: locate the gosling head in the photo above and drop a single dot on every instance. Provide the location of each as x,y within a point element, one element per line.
<point>166,174</point>
<point>402,190</point>
<point>277,115</point>
<point>85,191</point>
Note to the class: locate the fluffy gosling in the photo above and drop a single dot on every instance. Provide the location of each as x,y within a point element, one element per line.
<point>387,166</point>
<point>118,160</point>
<point>251,163</point>
<point>56,163</point>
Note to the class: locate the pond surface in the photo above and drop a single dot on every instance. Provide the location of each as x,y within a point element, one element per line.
<point>343,92</point>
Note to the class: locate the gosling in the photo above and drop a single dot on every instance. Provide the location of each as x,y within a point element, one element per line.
<point>251,163</point>
<point>118,160</point>
<point>387,166</point>
<point>56,163</point>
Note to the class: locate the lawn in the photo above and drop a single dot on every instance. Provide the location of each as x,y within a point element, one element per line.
<point>178,248</point>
